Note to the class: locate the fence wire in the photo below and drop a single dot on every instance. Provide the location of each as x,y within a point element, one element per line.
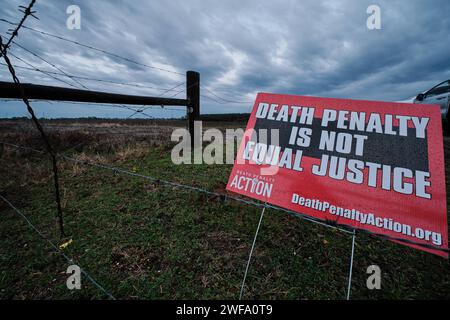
<point>135,110</point>
<point>41,71</point>
<point>128,84</point>
<point>55,247</point>
<point>220,99</point>
<point>51,64</point>
<point>173,92</point>
<point>27,11</point>
<point>333,224</point>
<point>115,55</point>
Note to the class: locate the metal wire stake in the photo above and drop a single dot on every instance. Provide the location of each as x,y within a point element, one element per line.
<point>251,253</point>
<point>351,266</point>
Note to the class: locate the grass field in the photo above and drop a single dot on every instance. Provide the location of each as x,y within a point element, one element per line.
<point>144,240</point>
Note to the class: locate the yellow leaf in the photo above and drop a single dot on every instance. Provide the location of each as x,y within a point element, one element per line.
<point>65,244</point>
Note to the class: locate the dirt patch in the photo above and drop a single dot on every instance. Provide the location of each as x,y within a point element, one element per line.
<point>223,242</point>
<point>135,260</point>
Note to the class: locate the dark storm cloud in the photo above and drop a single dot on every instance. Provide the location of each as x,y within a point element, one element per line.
<point>244,47</point>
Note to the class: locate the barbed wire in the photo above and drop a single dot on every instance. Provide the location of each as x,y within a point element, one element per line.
<point>43,72</point>
<point>173,88</point>
<point>51,64</point>
<point>140,111</point>
<point>4,48</point>
<point>135,110</point>
<point>182,90</point>
<point>163,108</point>
<point>95,49</point>
<point>130,84</point>
<point>208,97</point>
<point>125,107</point>
<point>327,223</point>
<point>223,100</point>
<point>27,11</point>
<point>215,100</point>
<point>72,102</point>
<point>55,247</point>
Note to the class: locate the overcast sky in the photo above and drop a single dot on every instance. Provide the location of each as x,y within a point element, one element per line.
<point>320,48</point>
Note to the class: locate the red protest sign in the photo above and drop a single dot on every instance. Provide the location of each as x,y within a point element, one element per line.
<point>371,165</point>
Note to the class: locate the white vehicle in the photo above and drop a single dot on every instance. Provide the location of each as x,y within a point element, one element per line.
<point>439,95</point>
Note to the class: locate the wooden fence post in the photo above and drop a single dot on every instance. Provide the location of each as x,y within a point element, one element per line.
<point>193,106</point>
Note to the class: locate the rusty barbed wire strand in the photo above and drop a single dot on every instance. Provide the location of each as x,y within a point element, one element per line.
<point>44,72</point>
<point>125,107</point>
<point>327,223</point>
<point>182,90</point>
<point>139,110</point>
<point>73,102</point>
<point>220,102</point>
<point>3,49</point>
<point>163,108</point>
<point>51,64</point>
<point>130,84</point>
<point>27,11</point>
<point>135,110</point>
<point>224,100</point>
<point>173,88</point>
<point>95,49</point>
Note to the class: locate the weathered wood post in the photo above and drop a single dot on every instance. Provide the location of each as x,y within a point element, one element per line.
<point>193,106</point>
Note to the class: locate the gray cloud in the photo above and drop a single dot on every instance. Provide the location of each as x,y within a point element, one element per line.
<point>242,47</point>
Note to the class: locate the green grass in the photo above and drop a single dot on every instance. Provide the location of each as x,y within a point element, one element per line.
<point>143,240</point>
